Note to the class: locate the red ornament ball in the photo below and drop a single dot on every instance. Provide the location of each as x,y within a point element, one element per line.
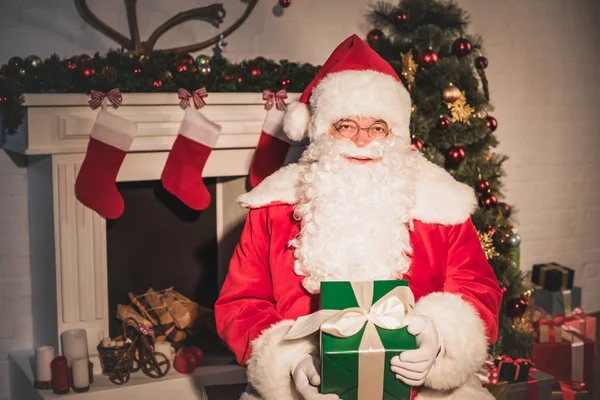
<point>285,3</point>
<point>71,64</point>
<point>491,122</point>
<point>374,35</point>
<point>443,123</point>
<point>285,82</point>
<point>455,156</point>
<point>198,354</point>
<point>399,17</point>
<point>87,69</point>
<point>482,186</point>
<point>461,47</point>
<point>226,77</point>
<point>83,58</point>
<point>491,231</point>
<point>488,200</point>
<point>256,72</point>
<point>182,67</point>
<point>185,363</point>
<point>516,307</point>
<point>481,63</point>
<point>184,58</point>
<point>157,84</point>
<point>428,58</point>
<point>416,144</point>
<point>3,100</point>
<point>239,79</point>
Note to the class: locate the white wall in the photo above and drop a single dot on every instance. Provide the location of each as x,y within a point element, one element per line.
<point>543,57</point>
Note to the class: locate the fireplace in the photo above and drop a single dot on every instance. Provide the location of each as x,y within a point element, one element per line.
<point>72,262</point>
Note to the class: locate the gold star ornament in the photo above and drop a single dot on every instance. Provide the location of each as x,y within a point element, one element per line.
<point>488,245</point>
<point>461,110</point>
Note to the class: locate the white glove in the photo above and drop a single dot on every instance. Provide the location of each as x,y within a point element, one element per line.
<point>412,366</point>
<point>305,374</point>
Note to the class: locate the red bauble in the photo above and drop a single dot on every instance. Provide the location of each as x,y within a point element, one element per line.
<point>455,156</point>
<point>83,58</point>
<point>157,84</point>
<point>374,35</point>
<point>503,289</point>
<point>461,47</point>
<point>239,79</point>
<point>416,144</point>
<point>491,122</point>
<point>516,307</point>
<point>285,82</point>
<point>71,64</point>
<point>182,68</point>
<point>488,200</point>
<point>137,69</point>
<point>185,363</point>
<point>256,72</point>
<point>482,186</point>
<point>399,17</point>
<point>185,58</point>
<point>3,100</point>
<point>428,58</point>
<point>443,123</point>
<point>285,3</point>
<point>491,231</point>
<point>198,354</point>
<point>481,63</point>
<point>226,77</point>
<point>87,69</point>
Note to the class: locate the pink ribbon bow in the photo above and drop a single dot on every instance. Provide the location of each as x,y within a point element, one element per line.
<point>196,96</point>
<point>275,98</point>
<point>97,98</point>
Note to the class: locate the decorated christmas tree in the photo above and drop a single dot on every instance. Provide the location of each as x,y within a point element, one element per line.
<point>443,66</point>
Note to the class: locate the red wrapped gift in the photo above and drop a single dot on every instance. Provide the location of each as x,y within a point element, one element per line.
<point>549,330</point>
<point>581,323</point>
<point>571,360</point>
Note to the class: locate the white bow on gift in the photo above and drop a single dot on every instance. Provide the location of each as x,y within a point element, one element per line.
<point>392,311</point>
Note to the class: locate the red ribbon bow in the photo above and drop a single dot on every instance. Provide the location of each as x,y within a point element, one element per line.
<point>568,389</point>
<point>145,330</point>
<point>517,363</point>
<point>275,98</point>
<point>196,96</point>
<point>113,96</point>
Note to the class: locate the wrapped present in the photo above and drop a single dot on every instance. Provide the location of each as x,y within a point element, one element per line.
<point>563,302</point>
<point>582,323</point>
<point>549,330</point>
<point>538,386</point>
<point>488,372</point>
<point>570,360</point>
<point>553,276</point>
<point>570,391</point>
<point>362,325</point>
<point>498,390</point>
<point>513,370</point>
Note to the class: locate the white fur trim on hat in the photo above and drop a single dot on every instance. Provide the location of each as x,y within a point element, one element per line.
<point>365,93</point>
<point>296,120</point>
<point>439,198</point>
<point>465,342</point>
<point>269,366</point>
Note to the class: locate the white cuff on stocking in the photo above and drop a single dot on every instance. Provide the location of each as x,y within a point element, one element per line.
<point>197,127</point>
<point>273,125</point>
<point>113,130</point>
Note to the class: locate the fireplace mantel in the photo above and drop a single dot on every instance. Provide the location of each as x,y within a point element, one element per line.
<point>68,240</point>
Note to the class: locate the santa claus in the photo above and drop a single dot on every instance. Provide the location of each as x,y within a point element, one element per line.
<point>359,205</point>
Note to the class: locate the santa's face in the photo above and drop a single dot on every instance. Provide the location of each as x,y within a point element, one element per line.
<point>355,198</point>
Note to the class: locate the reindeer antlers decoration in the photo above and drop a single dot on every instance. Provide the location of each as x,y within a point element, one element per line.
<point>214,12</point>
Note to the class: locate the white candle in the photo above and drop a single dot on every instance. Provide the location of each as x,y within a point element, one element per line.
<point>43,357</point>
<point>74,342</point>
<point>166,349</point>
<point>81,374</point>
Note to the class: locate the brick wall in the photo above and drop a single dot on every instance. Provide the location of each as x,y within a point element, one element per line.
<point>543,80</point>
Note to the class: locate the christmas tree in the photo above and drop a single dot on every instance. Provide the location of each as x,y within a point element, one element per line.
<point>444,69</point>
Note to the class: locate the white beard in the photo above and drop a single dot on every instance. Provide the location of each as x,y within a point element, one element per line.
<point>354,218</point>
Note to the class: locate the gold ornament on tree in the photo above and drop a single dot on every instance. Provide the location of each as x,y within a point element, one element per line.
<point>409,68</point>
<point>488,245</point>
<point>461,110</point>
<point>451,94</point>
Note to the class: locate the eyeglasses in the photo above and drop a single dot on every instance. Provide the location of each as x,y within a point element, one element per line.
<point>349,128</point>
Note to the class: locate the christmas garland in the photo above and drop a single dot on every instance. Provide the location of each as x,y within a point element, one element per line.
<point>156,72</point>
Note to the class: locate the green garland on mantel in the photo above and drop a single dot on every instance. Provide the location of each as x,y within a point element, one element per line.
<point>157,72</point>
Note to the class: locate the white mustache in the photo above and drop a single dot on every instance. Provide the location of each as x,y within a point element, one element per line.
<point>373,150</point>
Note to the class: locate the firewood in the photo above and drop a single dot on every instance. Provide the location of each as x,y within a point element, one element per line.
<point>178,335</point>
<point>159,308</point>
<point>142,309</point>
<point>126,312</point>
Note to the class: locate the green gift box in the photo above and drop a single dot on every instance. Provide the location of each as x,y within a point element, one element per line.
<point>341,371</point>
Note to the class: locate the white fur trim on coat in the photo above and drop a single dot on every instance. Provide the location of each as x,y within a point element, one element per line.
<point>269,366</point>
<point>439,198</point>
<point>463,335</point>
<point>364,93</point>
<point>470,390</point>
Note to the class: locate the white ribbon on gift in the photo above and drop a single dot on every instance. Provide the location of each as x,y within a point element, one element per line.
<point>577,352</point>
<point>392,311</point>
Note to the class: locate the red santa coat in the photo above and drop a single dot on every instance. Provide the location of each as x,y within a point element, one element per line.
<point>449,275</point>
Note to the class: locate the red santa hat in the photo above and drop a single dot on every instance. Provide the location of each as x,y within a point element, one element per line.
<point>354,80</point>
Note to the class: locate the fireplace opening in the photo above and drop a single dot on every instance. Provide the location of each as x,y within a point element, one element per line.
<point>160,243</point>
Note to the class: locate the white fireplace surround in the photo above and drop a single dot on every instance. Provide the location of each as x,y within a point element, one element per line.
<point>68,240</point>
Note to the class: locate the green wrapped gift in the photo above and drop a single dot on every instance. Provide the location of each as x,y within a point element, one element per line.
<point>347,370</point>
